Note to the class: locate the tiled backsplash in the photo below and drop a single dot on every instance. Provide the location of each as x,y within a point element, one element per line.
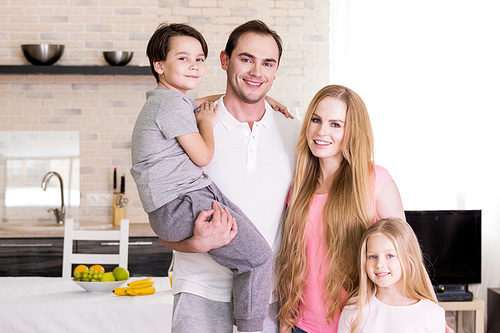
<point>103,109</point>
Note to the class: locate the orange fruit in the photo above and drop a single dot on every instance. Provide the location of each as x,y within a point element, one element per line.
<point>80,268</point>
<point>98,268</point>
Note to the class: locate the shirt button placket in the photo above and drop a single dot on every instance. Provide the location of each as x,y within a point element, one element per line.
<point>252,148</point>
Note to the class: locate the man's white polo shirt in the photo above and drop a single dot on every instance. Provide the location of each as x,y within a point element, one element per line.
<point>254,169</point>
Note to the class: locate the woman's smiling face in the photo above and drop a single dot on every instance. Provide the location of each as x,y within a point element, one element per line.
<point>326,130</point>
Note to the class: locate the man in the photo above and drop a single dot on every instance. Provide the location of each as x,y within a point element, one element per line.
<point>253,165</point>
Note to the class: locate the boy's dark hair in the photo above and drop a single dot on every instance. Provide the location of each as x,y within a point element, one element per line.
<point>257,27</point>
<point>159,44</point>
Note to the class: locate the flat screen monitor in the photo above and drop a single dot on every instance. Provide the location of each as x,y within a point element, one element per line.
<point>451,243</point>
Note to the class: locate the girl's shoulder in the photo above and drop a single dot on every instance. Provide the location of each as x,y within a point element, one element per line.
<point>430,305</point>
<point>434,314</point>
<point>351,305</point>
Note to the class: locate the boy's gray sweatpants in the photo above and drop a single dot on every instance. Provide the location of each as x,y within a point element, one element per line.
<point>248,255</point>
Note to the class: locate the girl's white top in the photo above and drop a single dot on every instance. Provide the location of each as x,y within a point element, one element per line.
<point>423,316</point>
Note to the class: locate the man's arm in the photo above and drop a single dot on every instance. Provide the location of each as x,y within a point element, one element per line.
<point>208,235</point>
<point>274,104</point>
<point>211,98</point>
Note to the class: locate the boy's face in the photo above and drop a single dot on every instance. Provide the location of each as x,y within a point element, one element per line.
<point>252,67</point>
<point>184,67</point>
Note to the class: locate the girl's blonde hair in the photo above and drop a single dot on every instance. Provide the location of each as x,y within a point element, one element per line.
<point>347,213</point>
<point>416,281</point>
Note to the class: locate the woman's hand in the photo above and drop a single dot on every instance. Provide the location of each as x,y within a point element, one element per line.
<point>278,107</point>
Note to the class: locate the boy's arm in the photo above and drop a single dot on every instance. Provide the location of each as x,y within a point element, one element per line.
<point>199,149</point>
<point>200,145</point>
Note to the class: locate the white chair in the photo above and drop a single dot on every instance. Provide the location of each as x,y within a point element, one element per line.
<point>170,271</point>
<point>70,234</point>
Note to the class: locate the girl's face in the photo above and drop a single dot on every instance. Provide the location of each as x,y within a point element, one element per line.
<point>184,67</point>
<point>382,264</point>
<point>326,130</point>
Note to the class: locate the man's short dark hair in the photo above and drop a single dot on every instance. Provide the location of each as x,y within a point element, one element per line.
<point>257,27</point>
<point>159,44</point>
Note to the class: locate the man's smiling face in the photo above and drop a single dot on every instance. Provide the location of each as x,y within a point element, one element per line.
<point>252,67</point>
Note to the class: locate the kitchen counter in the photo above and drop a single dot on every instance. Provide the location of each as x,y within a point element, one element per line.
<point>20,230</point>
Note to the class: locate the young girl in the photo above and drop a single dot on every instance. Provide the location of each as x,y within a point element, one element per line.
<point>336,194</point>
<point>395,292</point>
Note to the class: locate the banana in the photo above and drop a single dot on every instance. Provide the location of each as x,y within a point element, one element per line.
<point>144,283</point>
<point>141,291</point>
<point>121,291</point>
<point>137,288</point>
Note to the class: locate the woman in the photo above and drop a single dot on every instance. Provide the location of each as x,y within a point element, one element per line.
<point>336,194</point>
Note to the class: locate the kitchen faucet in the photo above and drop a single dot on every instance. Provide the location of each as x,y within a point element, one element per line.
<point>60,214</point>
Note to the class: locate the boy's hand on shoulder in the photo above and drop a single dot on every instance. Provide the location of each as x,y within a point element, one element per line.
<point>278,107</point>
<point>207,113</point>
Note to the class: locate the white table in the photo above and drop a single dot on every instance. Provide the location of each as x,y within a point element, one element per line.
<point>36,304</point>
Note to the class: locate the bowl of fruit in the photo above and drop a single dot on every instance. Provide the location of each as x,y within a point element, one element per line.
<point>96,279</point>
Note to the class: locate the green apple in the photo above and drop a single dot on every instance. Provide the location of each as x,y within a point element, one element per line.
<point>108,277</point>
<point>121,274</point>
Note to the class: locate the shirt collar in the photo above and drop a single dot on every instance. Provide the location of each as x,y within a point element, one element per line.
<point>230,122</point>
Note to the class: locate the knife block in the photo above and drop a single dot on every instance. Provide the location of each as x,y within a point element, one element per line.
<point>118,215</point>
<point>118,212</point>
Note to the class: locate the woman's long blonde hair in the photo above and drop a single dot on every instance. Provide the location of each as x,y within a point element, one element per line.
<point>347,213</point>
<point>416,281</point>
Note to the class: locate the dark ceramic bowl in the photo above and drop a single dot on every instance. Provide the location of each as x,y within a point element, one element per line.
<point>118,58</point>
<point>42,54</point>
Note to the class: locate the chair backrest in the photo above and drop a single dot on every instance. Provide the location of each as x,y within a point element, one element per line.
<point>70,234</point>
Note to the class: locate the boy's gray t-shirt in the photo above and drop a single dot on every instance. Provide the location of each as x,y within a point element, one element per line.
<point>162,170</point>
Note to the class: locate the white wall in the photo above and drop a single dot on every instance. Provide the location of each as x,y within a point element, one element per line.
<point>429,73</point>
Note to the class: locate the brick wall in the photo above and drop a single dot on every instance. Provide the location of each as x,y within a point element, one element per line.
<point>104,108</point>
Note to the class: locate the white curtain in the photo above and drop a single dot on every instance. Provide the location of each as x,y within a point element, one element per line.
<point>429,73</point>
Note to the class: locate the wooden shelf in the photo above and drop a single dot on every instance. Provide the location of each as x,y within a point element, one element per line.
<point>475,305</point>
<point>85,70</point>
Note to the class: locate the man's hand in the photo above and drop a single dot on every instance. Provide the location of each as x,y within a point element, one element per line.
<point>216,233</point>
<point>208,235</point>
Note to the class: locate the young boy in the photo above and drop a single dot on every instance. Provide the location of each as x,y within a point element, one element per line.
<point>170,144</point>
